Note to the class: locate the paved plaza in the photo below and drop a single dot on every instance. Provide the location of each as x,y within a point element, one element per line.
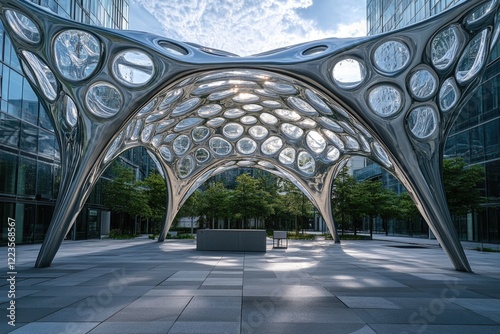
<point>142,286</point>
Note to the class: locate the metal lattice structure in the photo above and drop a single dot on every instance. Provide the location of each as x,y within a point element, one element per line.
<point>297,112</point>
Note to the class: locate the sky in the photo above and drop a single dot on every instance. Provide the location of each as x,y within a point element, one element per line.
<point>247,27</point>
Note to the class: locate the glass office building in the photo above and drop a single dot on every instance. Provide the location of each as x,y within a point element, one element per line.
<point>29,152</point>
<point>475,135</point>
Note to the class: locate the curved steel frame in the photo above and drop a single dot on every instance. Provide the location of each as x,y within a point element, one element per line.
<point>298,112</point>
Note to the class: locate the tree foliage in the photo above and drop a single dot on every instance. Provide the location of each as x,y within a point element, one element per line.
<point>124,195</point>
<point>250,200</point>
<point>281,204</point>
<point>156,192</point>
<point>214,203</point>
<point>460,184</point>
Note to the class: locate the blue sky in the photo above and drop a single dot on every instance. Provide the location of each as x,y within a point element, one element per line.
<point>248,27</point>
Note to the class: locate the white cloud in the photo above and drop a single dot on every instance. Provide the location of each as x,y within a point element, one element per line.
<point>243,27</point>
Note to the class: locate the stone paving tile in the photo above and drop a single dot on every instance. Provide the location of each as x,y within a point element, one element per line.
<point>141,286</point>
<point>205,327</point>
<point>368,302</point>
<point>434,329</point>
<point>150,327</point>
<point>212,309</point>
<point>55,327</point>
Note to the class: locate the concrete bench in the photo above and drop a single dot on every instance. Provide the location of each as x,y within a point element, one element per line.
<point>231,240</point>
<point>278,237</point>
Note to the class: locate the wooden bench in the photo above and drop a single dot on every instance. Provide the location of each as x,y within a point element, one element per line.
<point>278,237</point>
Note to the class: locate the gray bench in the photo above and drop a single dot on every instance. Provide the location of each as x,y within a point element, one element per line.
<point>278,238</point>
<point>231,240</point>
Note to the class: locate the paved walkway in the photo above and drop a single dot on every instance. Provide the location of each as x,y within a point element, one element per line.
<point>142,286</point>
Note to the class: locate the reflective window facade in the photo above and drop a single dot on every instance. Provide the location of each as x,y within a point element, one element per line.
<point>475,135</point>
<point>29,152</point>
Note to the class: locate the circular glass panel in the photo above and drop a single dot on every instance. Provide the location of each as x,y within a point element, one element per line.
<point>280,87</point>
<point>46,80</point>
<point>188,123</point>
<point>200,133</point>
<point>234,113</point>
<point>391,57</point>
<point>71,114</point>
<point>315,142</point>
<point>186,106</point>
<point>181,144</point>
<point>444,48</point>
<point>220,146</point>
<point>473,58</point>
<point>133,67</point>
<point>173,49</point>
<point>479,13</point>
<point>315,50</point>
<point>301,106</point>
<point>246,98</point>
<point>288,115</point>
<point>186,166</point>
<point>104,100</point>
<point>166,154</point>
<point>77,54</point>
<point>271,104</point>
<point>248,120</point>
<point>317,102</point>
<point>114,147</point>
<point>351,143</point>
<point>246,146</point>
<point>24,27</point>
<point>422,121</point>
<point>258,132</point>
<point>291,131</point>
<point>385,100</point>
<point>147,132</point>
<point>448,95</point>
<point>349,73</point>
<point>148,107</point>
<point>333,154</point>
<point>381,154</point>
<point>232,130</point>
<point>202,155</point>
<point>209,110</point>
<point>306,163</point>
<point>252,107</point>
<point>287,156</point>
<point>271,145</point>
<point>268,119</point>
<point>334,139</point>
<point>215,122</point>
<point>423,84</point>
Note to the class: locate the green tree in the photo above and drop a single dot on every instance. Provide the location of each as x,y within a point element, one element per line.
<point>156,192</point>
<point>388,207</point>
<point>460,185</point>
<point>408,211</point>
<point>125,196</point>
<point>192,207</point>
<point>371,201</point>
<point>213,203</point>
<point>342,196</point>
<point>249,200</point>
<point>290,202</point>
